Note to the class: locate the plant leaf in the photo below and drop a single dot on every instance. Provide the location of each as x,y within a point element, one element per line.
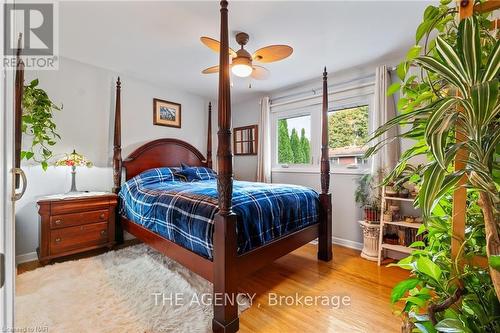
<point>426,266</point>
<point>445,71</point>
<point>451,325</point>
<point>494,261</point>
<point>402,287</point>
<point>493,64</point>
<point>393,88</point>
<point>413,52</point>
<point>469,43</point>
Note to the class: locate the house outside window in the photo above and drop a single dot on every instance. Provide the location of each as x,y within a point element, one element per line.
<point>347,135</point>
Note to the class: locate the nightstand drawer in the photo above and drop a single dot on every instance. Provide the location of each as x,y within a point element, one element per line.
<point>69,220</point>
<point>68,239</point>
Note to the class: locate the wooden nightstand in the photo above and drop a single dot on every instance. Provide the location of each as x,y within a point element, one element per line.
<point>73,224</point>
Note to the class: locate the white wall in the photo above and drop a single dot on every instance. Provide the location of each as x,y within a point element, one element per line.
<point>86,123</point>
<point>246,113</point>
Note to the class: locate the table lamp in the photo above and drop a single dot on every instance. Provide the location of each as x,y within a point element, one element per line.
<point>73,160</point>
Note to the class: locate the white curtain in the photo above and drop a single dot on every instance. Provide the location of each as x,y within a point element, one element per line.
<point>385,109</point>
<point>264,143</point>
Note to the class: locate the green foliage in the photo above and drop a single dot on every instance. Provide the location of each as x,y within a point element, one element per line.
<point>291,148</point>
<point>305,146</point>
<point>456,68</point>
<point>366,193</point>
<point>298,153</point>
<point>348,127</point>
<point>37,122</point>
<point>285,153</point>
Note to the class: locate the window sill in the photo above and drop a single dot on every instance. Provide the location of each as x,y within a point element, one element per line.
<point>316,171</point>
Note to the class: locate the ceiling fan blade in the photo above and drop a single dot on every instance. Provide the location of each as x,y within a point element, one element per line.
<point>260,73</point>
<point>211,70</point>
<point>272,53</point>
<point>215,45</point>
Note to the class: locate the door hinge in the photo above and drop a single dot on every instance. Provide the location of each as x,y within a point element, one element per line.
<point>2,269</point>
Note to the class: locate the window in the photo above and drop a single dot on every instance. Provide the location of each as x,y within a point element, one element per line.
<point>348,133</point>
<point>294,140</point>
<point>296,131</point>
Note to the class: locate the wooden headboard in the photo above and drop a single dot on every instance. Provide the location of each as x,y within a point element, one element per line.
<point>162,153</point>
<point>158,153</point>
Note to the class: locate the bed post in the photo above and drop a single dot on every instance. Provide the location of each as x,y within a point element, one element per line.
<point>225,248</point>
<point>117,141</point>
<point>117,159</point>
<point>209,136</point>
<point>325,198</point>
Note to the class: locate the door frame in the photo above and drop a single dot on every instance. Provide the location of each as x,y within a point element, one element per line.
<point>7,225</point>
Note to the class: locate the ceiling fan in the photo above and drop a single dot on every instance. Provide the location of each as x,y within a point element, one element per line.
<point>242,61</point>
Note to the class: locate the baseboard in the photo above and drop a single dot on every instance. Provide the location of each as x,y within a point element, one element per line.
<point>22,258</point>
<point>347,243</point>
<point>343,242</point>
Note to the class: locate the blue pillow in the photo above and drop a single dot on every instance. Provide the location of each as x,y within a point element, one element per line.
<point>164,174</point>
<point>191,174</point>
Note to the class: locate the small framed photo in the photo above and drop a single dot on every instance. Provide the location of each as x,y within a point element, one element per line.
<point>166,113</point>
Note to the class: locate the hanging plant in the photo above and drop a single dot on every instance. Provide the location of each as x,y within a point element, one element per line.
<point>38,123</point>
<point>452,87</point>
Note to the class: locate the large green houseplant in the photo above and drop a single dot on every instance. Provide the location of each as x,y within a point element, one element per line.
<point>450,85</point>
<point>38,123</point>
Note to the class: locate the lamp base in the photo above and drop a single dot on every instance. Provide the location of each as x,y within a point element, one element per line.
<point>73,181</point>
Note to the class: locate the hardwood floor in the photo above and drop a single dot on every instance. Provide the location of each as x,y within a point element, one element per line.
<point>363,283</point>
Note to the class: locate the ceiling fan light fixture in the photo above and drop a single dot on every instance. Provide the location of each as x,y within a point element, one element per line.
<point>242,67</point>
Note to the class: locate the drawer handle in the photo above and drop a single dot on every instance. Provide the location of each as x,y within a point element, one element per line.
<point>58,222</point>
<point>58,239</point>
<point>103,232</point>
<point>102,216</point>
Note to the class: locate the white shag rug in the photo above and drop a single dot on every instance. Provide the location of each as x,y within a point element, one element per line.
<point>119,291</point>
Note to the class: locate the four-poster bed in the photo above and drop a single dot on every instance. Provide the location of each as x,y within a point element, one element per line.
<point>227,266</point>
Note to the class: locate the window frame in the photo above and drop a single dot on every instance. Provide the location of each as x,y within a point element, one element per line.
<point>275,117</point>
<point>348,103</point>
<point>351,97</point>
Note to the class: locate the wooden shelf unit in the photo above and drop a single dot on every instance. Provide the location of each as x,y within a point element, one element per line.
<point>393,247</point>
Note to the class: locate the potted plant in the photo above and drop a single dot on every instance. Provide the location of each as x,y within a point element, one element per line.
<point>367,197</point>
<point>457,68</point>
<point>38,122</point>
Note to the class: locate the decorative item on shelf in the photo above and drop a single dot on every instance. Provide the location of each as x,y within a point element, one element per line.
<point>392,239</point>
<point>390,192</point>
<point>402,236</point>
<point>404,193</point>
<point>388,216</point>
<point>74,160</point>
<point>410,219</point>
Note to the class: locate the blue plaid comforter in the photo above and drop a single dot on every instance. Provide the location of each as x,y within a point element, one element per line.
<point>184,212</point>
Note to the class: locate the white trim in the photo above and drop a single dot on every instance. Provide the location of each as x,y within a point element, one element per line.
<point>26,257</point>
<point>300,99</point>
<point>347,243</point>
<point>339,171</point>
<point>342,242</point>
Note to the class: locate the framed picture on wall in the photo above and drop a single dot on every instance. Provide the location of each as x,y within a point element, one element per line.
<point>166,113</point>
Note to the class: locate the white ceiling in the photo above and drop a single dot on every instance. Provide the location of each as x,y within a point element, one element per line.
<point>159,41</point>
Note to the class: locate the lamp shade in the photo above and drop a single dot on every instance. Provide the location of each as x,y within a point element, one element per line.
<point>242,66</point>
<point>74,159</point>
